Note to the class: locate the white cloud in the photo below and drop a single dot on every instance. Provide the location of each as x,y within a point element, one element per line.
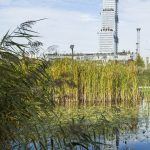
<point>62,27</point>
<point>65,27</point>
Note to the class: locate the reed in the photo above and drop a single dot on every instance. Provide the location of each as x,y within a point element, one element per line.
<point>86,81</point>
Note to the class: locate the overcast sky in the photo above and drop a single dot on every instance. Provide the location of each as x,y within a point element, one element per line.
<point>78,22</point>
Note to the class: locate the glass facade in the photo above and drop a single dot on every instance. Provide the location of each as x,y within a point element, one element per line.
<point>109,27</point>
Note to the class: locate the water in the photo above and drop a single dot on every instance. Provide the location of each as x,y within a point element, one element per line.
<point>94,127</point>
<point>140,138</point>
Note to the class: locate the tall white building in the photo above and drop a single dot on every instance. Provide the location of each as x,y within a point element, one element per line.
<point>109,27</point>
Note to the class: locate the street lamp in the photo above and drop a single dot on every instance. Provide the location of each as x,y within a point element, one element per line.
<point>72,48</point>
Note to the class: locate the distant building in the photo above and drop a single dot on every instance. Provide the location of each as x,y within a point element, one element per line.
<point>108,39</point>
<point>109,27</point>
<point>122,56</point>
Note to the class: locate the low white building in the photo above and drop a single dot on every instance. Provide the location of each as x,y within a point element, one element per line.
<point>93,56</point>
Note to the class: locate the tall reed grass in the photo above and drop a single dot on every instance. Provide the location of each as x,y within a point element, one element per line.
<point>87,81</point>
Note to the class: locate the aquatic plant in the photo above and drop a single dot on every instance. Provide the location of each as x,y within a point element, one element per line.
<point>84,81</point>
<point>25,87</point>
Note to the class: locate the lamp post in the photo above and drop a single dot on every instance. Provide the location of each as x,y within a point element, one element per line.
<point>72,48</point>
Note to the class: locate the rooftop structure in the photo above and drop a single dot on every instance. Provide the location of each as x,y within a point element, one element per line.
<point>138,41</point>
<point>109,27</point>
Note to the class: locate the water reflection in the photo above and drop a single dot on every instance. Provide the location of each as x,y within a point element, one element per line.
<point>140,138</point>
<point>93,127</point>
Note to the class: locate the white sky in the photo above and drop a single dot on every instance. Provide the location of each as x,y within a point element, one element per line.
<point>77,22</point>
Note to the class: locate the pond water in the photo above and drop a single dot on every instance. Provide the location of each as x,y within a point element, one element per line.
<point>94,127</point>
<point>140,137</point>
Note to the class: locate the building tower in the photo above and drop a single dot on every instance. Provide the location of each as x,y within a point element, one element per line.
<point>138,41</point>
<point>109,27</point>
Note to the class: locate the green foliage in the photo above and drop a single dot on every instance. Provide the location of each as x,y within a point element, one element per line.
<point>139,61</point>
<point>26,88</point>
<point>29,88</point>
<point>84,81</point>
<point>144,78</point>
<point>25,91</point>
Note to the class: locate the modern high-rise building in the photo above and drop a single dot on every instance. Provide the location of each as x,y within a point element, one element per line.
<point>109,27</point>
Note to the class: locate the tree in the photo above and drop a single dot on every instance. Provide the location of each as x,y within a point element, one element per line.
<point>139,61</point>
